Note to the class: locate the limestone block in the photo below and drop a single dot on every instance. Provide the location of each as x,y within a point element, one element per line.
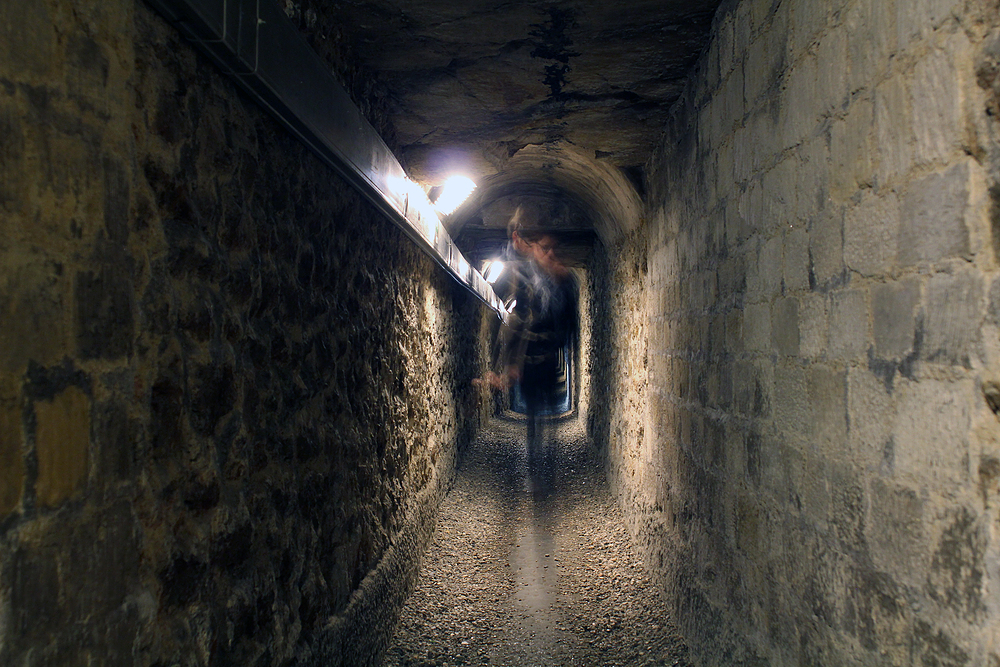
<point>828,400</point>
<point>734,100</point>
<point>724,38</point>
<point>116,201</point>
<point>831,82</point>
<point>751,207</point>
<point>735,335</point>
<point>709,77</point>
<point>959,564</point>
<point>893,312</point>
<point>813,325</point>
<point>871,408</point>
<point>104,312</point>
<point>893,130</point>
<point>753,388</point>
<point>32,310</point>
<point>792,411</point>
<point>785,327</point>
<point>797,108</point>
<point>743,30</point>
<point>661,413</point>
<point>11,457</point>
<point>826,248</point>
<point>757,327</point>
<point>760,14</point>
<point>808,20</point>
<point>114,437</point>
<point>918,18</point>
<point>710,119</point>
<point>871,234</point>
<point>31,580</point>
<point>762,122</point>
<point>993,309</point>
<point>62,441</point>
<point>733,276</point>
<point>27,40</point>
<point>953,311</point>
<point>662,265</point>
<point>848,504</point>
<point>670,299</point>
<point>769,269</point>
<point>743,154</point>
<point>87,69</point>
<point>848,324</point>
<point>795,260</point>
<point>13,190</point>
<point>696,292</point>
<point>780,195</point>
<point>711,289</point>
<point>72,159</point>
<point>101,568</point>
<point>851,151</point>
<point>751,527</point>
<point>812,177</point>
<point>724,169</point>
<point>765,63</point>
<point>930,431</point>
<point>871,39</point>
<point>936,87</point>
<point>933,217</point>
<point>808,485</point>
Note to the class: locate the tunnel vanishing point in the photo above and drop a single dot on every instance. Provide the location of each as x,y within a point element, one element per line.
<point>233,390</point>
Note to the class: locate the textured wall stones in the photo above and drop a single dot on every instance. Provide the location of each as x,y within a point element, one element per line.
<point>11,456</point>
<point>231,392</point>
<point>893,324</point>
<point>933,214</point>
<point>62,444</point>
<point>847,485</point>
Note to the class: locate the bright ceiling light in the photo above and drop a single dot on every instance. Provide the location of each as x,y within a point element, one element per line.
<point>455,191</point>
<point>493,271</point>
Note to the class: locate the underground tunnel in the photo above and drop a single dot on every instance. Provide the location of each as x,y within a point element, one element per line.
<point>238,422</point>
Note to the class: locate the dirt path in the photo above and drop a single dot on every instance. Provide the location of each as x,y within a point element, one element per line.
<point>531,565</point>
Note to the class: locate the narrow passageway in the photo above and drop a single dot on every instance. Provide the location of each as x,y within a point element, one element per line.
<point>241,318</point>
<point>532,565</point>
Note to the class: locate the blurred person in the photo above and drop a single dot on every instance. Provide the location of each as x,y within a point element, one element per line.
<point>538,328</point>
<point>536,348</point>
<point>514,287</point>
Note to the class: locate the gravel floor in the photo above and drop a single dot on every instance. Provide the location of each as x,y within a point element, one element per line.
<point>531,565</point>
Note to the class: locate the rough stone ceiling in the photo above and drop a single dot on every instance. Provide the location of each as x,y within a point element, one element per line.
<point>474,84</point>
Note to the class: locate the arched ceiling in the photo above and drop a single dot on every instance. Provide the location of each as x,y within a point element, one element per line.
<point>551,105</point>
<point>557,185</point>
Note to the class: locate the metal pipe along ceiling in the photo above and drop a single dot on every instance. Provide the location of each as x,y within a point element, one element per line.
<point>257,45</point>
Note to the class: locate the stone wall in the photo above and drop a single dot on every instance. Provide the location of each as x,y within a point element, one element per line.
<point>231,394</point>
<point>617,359</point>
<point>815,480</point>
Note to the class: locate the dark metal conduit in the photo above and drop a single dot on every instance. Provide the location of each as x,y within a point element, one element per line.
<point>255,43</point>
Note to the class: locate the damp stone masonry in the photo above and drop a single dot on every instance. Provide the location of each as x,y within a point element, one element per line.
<point>231,393</point>
<point>813,470</point>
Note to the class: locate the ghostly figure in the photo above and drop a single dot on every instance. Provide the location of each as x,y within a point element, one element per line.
<point>543,294</point>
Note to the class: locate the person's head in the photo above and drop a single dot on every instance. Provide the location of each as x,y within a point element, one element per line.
<point>545,249</point>
<point>522,236</point>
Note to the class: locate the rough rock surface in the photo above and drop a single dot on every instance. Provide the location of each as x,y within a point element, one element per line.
<point>801,424</point>
<point>229,388</point>
<point>477,81</point>
<point>532,565</point>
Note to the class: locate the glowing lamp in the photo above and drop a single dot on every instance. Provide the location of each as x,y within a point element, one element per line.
<point>455,191</point>
<point>493,271</point>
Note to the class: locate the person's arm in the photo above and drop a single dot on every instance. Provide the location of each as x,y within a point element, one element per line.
<point>509,345</point>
